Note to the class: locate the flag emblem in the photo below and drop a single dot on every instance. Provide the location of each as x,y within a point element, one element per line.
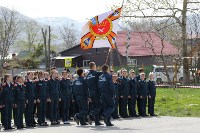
<point>101,30</point>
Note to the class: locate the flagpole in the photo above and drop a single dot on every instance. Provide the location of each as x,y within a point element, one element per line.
<point>122,3</point>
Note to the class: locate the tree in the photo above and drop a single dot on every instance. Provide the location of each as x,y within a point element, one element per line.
<point>68,35</point>
<point>31,36</point>
<point>9,30</point>
<point>171,10</point>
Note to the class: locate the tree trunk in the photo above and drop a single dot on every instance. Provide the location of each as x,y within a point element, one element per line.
<point>186,74</point>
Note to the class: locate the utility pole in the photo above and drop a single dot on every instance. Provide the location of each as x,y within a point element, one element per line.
<point>49,49</point>
<point>127,46</point>
<point>44,34</point>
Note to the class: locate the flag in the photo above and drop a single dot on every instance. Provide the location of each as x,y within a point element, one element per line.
<point>101,30</point>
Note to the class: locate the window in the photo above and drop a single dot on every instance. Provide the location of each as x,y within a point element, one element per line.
<point>86,63</point>
<point>132,62</point>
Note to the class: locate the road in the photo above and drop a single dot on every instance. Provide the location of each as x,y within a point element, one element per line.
<point>162,124</point>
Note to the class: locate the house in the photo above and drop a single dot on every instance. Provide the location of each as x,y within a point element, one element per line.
<point>143,48</point>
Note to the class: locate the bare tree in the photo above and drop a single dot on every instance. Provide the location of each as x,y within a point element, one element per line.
<point>166,9</point>
<point>31,37</point>
<point>9,29</point>
<point>68,35</point>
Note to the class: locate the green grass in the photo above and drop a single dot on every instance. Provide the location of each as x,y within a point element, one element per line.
<point>178,102</point>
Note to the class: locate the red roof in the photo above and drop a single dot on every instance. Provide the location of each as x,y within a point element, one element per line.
<point>142,43</point>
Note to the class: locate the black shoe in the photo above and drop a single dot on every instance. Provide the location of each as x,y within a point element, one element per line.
<point>6,129</point>
<point>89,117</point>
<point>84,124</point>
<point>23,126</point>
<point>109,125</point>
<point>153,115</point>
<point>57,123</point>
<point>135,115</point>
<point>53,123</point>
<point>105,121</point>
<point>19,127</point>
<point>98,124</point>
<point>11,128</point>
<point>76,119</point>
<point>33,125</point>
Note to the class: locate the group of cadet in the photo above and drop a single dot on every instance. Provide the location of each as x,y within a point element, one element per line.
<point>85,97</point>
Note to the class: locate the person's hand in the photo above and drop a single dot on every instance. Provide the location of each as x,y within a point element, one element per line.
<point>73,101</point>
<point>89,99</point>
<point>141,97</point>
<point>38,100</point>
<point>34,101</point>
<point>59,99</point>
<point>26,101</point>
<point>49,100</point>
<point>149,96</point>
<point>129,96</point>
<point>15,105</point>
<point>121,96</point>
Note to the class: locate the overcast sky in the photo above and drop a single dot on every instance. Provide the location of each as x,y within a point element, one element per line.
<point>74,9</point>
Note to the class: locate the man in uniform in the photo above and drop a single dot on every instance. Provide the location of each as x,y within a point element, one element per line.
<point>107,90</point>
<point>142,95</point>
<point>151,94</point>
<point>81,95</point>
<point>132,98</point>
<point>65,88</point>
<point>19,101</point>
<point>31,100</point>
<point>124,94</point>
<point>53,95</point>
<point>94,93</point>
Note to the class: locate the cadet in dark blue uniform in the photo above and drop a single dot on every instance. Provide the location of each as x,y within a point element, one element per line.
<point>81,95</point>
<point>151,94</point>
<point>107,90</point>
<point>141,70</point>
<point>92,82</point>
<point>142,94</point>
<point>65,88</point>
<point>53,88</point>
<point>14,109</point>
<point>124,94</point>
<point>19,101</point>
<point>117,86</point>
<point>132,98</point>
<point>41,96</point>
<point>7,101</point>
<point>31,100</point>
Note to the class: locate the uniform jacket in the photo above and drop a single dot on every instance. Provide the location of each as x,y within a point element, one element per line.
<point>124,86</point>
<point>30,89</point>
<point>80,88</point>
<point>142,88</point>
<point>65,88</point>
<point>106,84</point>
<point>132,87</point>
<point>7,93</point>
<point>19,92</point>
<point>151,88</point>
<point>53,88</point>
<point>41,89</point>
<point>92,80</point>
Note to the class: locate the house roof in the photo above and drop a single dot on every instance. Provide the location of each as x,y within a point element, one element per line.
<point>143,44</point>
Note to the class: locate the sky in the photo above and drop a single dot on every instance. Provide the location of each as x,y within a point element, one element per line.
<point>79,10</point>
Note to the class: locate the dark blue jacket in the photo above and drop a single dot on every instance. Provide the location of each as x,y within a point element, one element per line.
<point>125,86</point>
<point>53,88</point>
<point>151,88</point>
<point>7,93</point>
<point>92,79</point>
<point>41,89</point>
<point>30,89</point>
<point>142,88</point>
<point>19,93</point>
<point>132,87</point>
<point>117,89</point>
<point>80,89</point>
<point>106,84</point>
<point>65,88</point>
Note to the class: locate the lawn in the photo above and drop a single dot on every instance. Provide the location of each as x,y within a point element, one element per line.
<point>178,102</point>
